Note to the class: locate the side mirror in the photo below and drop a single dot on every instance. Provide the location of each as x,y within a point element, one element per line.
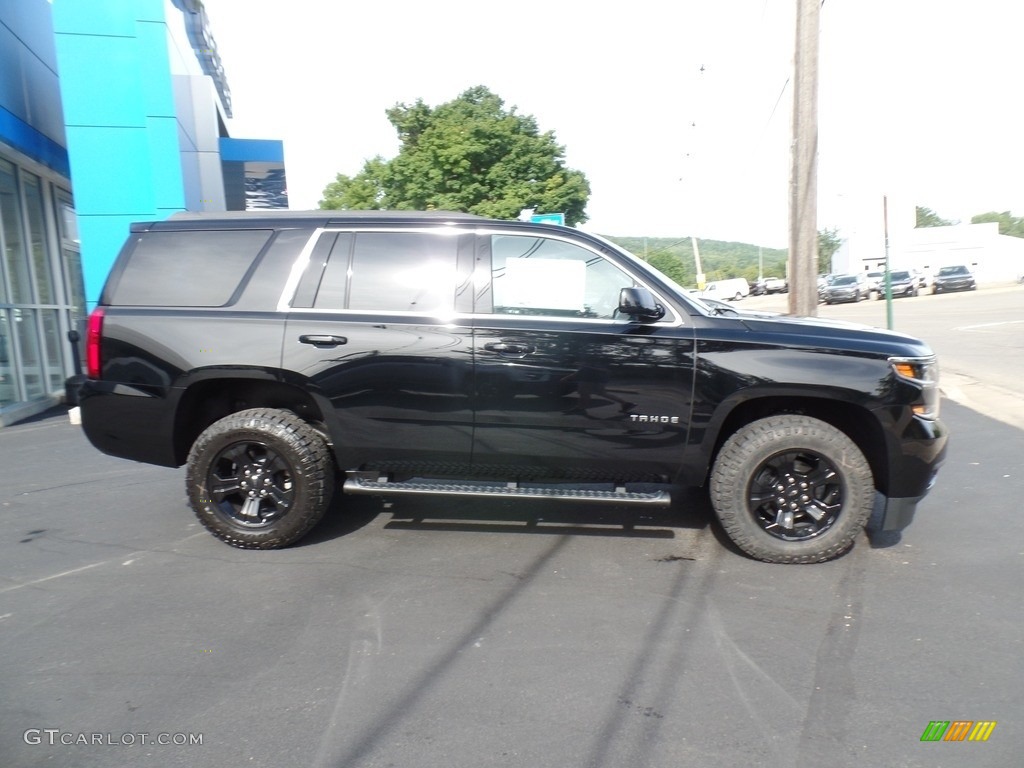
<point>639,304</point>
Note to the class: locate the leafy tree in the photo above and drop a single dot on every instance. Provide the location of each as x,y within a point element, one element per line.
<point>1008,225</point>
<point>470,154</point>
<point>829,242</point>
<point>926,217</point>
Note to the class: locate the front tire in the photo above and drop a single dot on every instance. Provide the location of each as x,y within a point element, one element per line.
<point>260,478</point>
<point>791,489</point>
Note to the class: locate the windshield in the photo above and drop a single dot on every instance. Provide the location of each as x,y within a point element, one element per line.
<point>946,271</point>
<point>845,280</point>
<point>896,276</point>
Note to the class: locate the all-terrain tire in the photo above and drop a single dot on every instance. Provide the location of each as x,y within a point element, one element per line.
<point>260,478</point>
<point>791,489</point>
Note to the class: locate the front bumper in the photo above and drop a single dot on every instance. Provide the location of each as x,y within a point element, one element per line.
<point>915,458</point>
<point>896,513</point>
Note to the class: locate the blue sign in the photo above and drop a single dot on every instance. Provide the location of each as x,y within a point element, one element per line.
<point>548,218</point>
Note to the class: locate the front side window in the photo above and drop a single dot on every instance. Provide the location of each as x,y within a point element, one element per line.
<point>543,276</point>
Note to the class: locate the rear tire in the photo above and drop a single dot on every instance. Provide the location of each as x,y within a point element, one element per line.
<point>791,489</point>
<point>260,478</point>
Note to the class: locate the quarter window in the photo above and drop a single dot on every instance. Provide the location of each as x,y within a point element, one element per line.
<point>188,268</point>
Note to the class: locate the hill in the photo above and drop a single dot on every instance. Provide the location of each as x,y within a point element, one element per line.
<point>720,260</point>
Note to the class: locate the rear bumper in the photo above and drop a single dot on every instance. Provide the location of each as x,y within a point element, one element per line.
<point>128,422</point>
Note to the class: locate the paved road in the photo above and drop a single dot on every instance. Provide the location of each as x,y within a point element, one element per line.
<point>468,635</point>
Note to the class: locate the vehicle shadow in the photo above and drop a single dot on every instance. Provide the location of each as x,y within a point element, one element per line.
<point>690,510</point>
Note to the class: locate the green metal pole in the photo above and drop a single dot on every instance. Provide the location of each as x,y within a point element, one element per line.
<point>888,278</point>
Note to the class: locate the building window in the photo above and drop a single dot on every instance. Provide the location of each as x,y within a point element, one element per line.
<point>18,283</point>
<point>8,381</point>
<point>45,287</point>
<point>36,231</point>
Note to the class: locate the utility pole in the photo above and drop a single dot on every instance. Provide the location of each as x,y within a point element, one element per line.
<point>803,183</point>
<point>701,282</point>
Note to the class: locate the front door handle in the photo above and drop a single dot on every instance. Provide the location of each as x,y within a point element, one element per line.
<point>510,349</point>
<point>323,341</point>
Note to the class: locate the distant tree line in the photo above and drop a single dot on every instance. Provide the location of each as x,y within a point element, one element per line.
<point>1008,224</point>
<point>720,260</point>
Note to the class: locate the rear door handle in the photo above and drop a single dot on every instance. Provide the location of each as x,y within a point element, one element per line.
<point>510,349</point>
<point>323,341</point>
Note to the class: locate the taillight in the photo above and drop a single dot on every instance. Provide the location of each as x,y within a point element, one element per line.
<point>93,334</point>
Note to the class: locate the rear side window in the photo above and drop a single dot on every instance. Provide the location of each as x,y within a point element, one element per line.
<point>389,272</point>
<point>188,268</point>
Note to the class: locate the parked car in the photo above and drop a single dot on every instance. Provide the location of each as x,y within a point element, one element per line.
<point>902,284</point>
<point>846,288</point>
<point>874,280</point>
<point>955,278</point>
<point>775,285</point>
<point>279,355</point>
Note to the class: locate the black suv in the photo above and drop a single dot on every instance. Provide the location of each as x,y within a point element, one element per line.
<point>901,283</point>
<point>440,353</point>
<point>956,278</point>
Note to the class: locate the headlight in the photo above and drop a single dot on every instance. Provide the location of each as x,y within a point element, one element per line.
<point>922,372</point>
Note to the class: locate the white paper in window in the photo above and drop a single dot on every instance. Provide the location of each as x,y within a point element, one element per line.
<point>545,283</point>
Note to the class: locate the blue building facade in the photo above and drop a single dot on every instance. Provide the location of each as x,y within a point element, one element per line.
<point>111,112</point>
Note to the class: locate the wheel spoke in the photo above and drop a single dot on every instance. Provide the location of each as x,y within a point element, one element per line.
<point>251,508</point>
<point>282,499</point>
<point>224,486</point>
<point>819,509</point>
<point>237,454</point>
<point>823,474</point>
<point>784,519</point>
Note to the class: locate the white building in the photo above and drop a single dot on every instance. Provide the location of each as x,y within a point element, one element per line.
<point>993,258</point>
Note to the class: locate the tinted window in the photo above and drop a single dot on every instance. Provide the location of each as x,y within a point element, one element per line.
<point>188,269</point>
<point>391,272</point>
<point>542,276</point>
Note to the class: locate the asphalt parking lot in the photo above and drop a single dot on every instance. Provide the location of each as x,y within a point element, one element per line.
<point>468,634</point>
<point>427,634</point>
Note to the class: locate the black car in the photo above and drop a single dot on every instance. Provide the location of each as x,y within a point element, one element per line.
<point>901,282</point>
<point>445,354</point>
<point>957,278</point>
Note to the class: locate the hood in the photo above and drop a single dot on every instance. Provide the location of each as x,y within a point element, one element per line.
<point>841,334</point>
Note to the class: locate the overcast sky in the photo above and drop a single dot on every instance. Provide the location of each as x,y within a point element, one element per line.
<point>918,99</point>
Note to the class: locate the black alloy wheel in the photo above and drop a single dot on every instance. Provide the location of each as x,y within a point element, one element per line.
<point>796,495</point>
<point>251,484</point>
